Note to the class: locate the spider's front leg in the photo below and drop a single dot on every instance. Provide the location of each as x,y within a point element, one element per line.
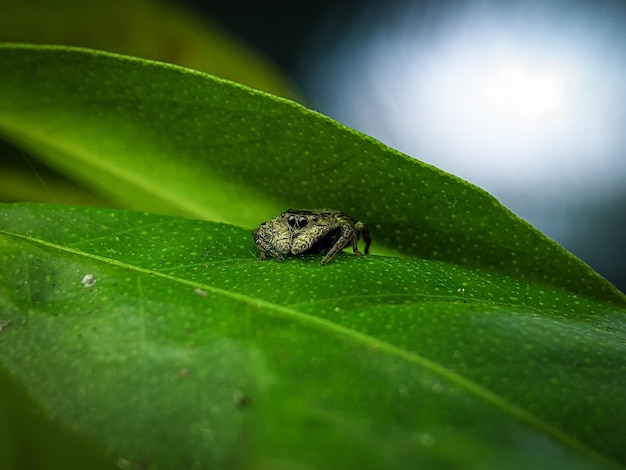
<point>265,249</point>
<point>305,240</point>
<point>360,228</point>
<point>347,236</point>
<point>272,242</point>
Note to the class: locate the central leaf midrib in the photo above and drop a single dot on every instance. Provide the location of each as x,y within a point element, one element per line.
<point>355,336</point>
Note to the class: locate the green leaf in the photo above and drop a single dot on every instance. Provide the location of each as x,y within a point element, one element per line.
<point>188,351</point>
<point>171,140</point>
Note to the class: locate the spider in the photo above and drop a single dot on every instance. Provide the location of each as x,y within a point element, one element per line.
<point>299,231</point>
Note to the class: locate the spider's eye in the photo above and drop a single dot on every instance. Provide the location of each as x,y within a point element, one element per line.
<point>302,221</point>
<point>292,220</point>
<point>314,218</point>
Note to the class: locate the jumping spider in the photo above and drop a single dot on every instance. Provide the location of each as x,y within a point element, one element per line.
<point>319,231</point>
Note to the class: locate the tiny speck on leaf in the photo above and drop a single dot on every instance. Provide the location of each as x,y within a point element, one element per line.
<point>88,280</point>
<point>200,292</point>
<point>240,399</point>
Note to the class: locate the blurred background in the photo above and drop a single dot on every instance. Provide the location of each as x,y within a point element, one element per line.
<point>526,99</point>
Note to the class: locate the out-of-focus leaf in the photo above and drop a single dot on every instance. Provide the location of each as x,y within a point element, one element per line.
<point>23,184</point>
<point>150,29</point>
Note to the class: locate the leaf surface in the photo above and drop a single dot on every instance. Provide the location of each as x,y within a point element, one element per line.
<point>186,350</point>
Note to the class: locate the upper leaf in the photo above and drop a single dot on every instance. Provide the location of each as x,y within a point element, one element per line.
<point>172,140</point>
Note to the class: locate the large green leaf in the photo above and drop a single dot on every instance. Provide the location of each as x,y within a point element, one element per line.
<point>171,140</point>
<point>190,352</point>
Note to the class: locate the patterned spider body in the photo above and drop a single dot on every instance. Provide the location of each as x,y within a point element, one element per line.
<point>300,231</point>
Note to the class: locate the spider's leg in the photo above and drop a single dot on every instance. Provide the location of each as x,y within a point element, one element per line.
<point>362,229</point>
<point>265,250</point>
<point>273,246</point>
<point>347,236</point>
<point>305,240</point>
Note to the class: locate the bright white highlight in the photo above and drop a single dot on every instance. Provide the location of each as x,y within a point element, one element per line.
<point>525,100</point>
<point>523,91</point>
